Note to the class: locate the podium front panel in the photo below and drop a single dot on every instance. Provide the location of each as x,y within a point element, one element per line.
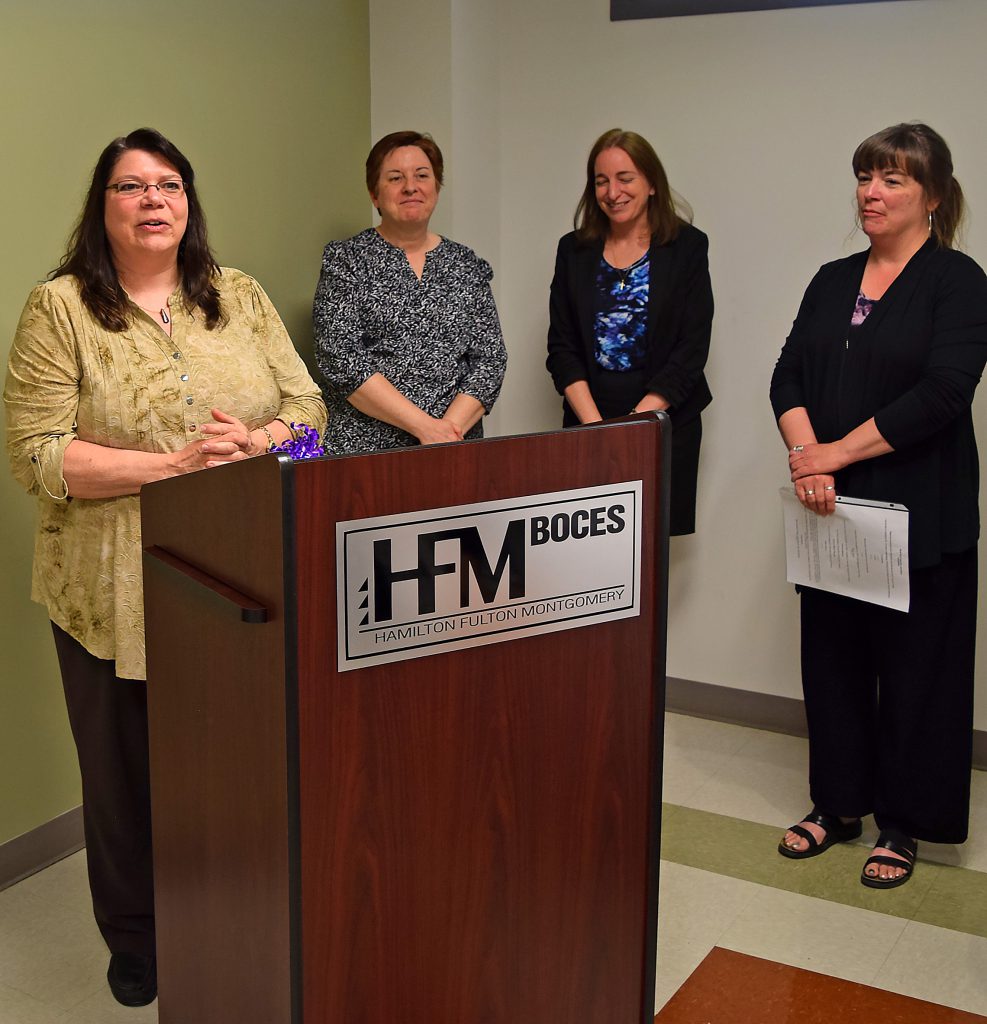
<point>469,837</point>
<point>478,829</point>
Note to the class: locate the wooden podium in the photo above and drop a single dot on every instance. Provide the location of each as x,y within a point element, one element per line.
<point>469,837</point>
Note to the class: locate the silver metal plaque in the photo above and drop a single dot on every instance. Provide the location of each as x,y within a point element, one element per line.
<point>448,578</point>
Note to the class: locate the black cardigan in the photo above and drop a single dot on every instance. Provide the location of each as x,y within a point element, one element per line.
<point>680,317</point>
<point>913,365</point>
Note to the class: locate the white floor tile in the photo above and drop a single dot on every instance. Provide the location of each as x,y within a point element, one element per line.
<point>684,731</point>
<point>65,883</point>
<point>937,965</point>
<point>695,749</point>
<point>697,906</point>
<point>19,1008</point>
<point>766,780</point>
<point>49,952</point>
<point>800,931</point>
<point>102,1008</point>
<point>973,853</point>
<point>694,909</point>
<point>676,962</point>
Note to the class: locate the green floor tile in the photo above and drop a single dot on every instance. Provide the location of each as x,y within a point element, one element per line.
<point>948,897</point>
<point>957,900</point>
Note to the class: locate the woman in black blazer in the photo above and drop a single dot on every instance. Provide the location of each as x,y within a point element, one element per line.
<point>631,307</point>
<point>872,394</point>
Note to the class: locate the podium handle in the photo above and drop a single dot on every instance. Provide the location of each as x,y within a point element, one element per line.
<point>247,608</point>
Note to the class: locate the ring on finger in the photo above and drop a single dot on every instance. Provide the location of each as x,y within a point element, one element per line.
<point>810,493</point>
<point>830,487</point>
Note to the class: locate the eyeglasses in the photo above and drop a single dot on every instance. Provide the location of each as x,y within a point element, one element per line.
<point>170,189</point>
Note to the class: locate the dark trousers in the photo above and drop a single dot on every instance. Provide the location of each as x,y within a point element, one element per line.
<point>615,395</point>
<point>108,717</point>
<point>889,702</point>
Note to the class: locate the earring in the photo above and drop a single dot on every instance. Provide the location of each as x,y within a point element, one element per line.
<point>930,222</point>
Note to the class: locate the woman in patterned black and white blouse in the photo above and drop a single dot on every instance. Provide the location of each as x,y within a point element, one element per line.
<point>406,330</point>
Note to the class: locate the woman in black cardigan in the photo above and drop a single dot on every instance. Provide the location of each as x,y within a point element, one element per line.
<point>872,393</point>
<point>631,307</point>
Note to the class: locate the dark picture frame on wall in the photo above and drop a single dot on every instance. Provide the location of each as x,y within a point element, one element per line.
<point>626,10</point>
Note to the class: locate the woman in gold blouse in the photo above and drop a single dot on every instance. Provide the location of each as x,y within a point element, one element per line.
<point>139,359</point>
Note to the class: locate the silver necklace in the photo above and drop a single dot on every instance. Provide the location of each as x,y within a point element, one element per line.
<point>162,312</point>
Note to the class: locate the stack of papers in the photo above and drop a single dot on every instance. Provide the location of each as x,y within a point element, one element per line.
<point>860,551</point>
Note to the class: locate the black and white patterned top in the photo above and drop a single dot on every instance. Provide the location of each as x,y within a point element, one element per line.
<point>432,339</point>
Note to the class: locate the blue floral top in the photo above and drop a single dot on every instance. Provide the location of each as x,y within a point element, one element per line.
<point>622,315</point>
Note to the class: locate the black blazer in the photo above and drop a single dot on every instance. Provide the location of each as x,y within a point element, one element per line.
<point>913,365</point>
<point>680,318</point>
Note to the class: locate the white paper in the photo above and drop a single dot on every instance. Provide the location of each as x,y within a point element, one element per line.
<point>860,551</point>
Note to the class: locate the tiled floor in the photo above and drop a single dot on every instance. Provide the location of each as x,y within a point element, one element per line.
<point>728,790</point>
<point>722,883</point>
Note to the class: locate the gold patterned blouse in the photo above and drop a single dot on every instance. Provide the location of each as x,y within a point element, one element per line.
<point>68,377</point>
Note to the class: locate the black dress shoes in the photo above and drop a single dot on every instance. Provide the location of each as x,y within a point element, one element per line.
<point>133,978</point>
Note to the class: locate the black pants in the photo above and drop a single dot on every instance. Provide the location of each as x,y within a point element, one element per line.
<point>615,395</point>
<point>889,702</point>
<point>108,717</point>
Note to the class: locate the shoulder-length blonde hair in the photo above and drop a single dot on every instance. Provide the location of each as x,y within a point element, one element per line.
<point>666,212</point>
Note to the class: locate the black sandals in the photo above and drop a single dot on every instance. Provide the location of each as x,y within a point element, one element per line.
<point>836,832</point>
<point>897,842</point>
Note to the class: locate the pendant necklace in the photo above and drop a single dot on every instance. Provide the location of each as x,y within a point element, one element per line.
<point>625,271</point>
<point>162,312</point>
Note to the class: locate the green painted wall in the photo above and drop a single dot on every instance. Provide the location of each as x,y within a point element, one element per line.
<point>270,102</point>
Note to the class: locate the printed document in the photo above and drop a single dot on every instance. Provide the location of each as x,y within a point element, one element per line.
<point>860,551</point>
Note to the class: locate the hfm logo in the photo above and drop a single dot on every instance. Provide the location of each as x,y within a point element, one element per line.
<point>472,564</point>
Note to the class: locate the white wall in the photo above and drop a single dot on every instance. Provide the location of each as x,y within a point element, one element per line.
<point>755,116</point>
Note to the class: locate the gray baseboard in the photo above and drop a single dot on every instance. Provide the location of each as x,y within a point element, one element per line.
<point>42,846</point>
<point>760,710</point>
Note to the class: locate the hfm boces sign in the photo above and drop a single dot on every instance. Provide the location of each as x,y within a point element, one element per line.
<point>447,578</point>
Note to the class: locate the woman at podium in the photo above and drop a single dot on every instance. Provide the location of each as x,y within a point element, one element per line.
<point>872,393</point>
<point>406,330</point>
<point>631,307</point>
<point>138,359</point>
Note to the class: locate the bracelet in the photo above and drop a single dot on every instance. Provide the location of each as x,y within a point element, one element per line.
<point>272,444</point>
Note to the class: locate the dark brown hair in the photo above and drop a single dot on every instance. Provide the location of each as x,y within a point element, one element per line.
<point>664,218</point>
<point>923,155</point>
<point>396,140</point>
<point>90,259</point>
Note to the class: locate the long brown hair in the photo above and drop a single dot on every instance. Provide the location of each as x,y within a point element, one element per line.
<point>664,216</point>
<point>923,155</point>
<point>90,259</point>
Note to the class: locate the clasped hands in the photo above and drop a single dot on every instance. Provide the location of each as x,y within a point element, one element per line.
<point>439,430</point>
<point>227,440</point>
<point>812,467</point>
